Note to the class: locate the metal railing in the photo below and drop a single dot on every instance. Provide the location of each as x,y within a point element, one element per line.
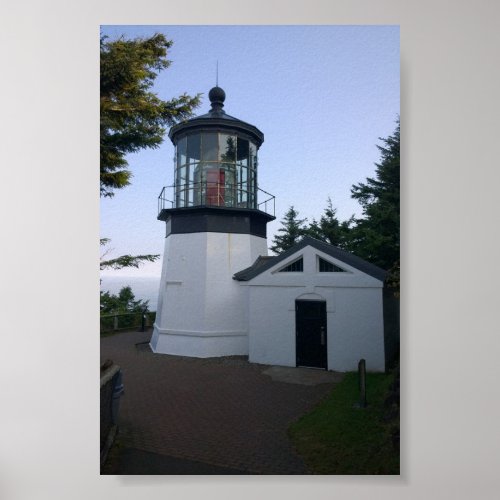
<point>215,194</point>
<point>124,321</point>
<point>263,205</point>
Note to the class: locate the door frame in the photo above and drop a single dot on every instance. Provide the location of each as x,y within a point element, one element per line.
<point>323,319</point>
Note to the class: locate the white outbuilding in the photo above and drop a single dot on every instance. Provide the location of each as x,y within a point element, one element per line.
<point>317,306</point>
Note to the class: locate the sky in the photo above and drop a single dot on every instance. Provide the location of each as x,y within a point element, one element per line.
<point>322,96</point>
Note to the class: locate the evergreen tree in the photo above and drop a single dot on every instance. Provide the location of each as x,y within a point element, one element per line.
<point>329,229</point>
<point>293,230</point>
<point>393,278</point>
<point>133,117</point>
<point>124,302</point>
<point>124,260</point>
<point>376,236</point>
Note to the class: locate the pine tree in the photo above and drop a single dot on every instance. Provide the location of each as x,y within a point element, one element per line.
<point>376,236</point>
<point>123,260</point>
<point>293,230</point>
<point>124,302</point>
<point>133,117</point>
<point>329,229</point>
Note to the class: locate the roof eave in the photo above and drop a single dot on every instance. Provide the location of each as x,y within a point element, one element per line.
<point>202,123</point>
<point>335,252</point>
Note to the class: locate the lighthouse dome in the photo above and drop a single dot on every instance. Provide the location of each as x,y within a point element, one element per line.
<point>216,118</point>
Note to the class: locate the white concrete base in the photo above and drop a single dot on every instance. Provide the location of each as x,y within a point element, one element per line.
<point>200,344</point>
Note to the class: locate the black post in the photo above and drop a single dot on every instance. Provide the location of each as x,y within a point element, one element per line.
<point>143,320</point>
<point>362,383</point>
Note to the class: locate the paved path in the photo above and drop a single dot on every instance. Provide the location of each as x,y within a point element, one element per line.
<point>224,414</point>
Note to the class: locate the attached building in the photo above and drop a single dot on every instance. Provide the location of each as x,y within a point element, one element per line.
<point>316,306</point>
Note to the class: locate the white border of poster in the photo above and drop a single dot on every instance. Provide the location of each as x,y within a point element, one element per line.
<point>50,225</point>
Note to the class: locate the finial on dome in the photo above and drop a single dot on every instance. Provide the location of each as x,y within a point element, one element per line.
<point>217,97</point>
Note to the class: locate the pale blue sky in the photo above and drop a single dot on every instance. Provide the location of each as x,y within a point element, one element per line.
<point>322,96</point>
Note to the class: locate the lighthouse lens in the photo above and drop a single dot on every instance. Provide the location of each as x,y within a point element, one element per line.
<point>216,169</point>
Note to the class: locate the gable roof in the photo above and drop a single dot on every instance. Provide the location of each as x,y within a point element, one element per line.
<point>264,263</point>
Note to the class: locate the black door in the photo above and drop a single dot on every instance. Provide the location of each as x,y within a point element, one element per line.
<point>310,321</point>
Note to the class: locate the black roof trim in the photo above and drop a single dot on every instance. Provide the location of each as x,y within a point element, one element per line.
<point>248,273</point>
<point>260,265</point>
<point>212,121</point>
<point>165,213</point>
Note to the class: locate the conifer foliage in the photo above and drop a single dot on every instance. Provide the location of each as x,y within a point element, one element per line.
<point>133,117</point>
<point>123,260</point>
<point>376,236</point>
<point>124,302</point>
<point>293,229</point>
<point>329,229</point>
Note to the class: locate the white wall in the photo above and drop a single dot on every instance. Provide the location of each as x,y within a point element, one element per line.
<point>356,330</point>
<point>271,330</point>
<point>354,314</point>
<point>202,311</point>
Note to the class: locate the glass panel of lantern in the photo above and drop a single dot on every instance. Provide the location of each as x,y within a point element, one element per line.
<point>227,148</point>
<point>243,151</point>
<point>193,148</point>
<point>209,147</point>
<point>181,152</point>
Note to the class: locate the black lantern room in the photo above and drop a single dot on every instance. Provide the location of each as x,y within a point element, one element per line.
<point>215,181</point>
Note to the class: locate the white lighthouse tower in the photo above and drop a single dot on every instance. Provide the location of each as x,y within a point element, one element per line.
<point>215,227</point>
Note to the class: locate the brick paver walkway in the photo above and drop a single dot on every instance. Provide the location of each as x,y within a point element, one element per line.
<point>219,411</point>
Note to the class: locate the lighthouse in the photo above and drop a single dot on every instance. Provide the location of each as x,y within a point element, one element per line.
<point>215,218</point>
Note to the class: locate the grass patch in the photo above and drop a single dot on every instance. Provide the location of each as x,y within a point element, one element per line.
<point>336,438</point>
